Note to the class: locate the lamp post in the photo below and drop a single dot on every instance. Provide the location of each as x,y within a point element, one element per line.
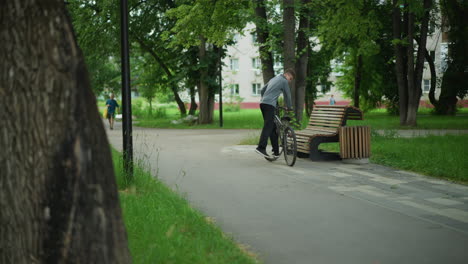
<point>220,87</point>
<point>126,92</point>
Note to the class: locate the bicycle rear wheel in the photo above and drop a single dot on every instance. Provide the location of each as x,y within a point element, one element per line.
<point>289,146</point>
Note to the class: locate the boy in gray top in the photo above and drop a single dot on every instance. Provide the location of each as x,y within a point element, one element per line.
<point>270,93</point>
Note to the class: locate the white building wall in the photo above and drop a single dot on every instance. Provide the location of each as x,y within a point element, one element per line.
<point>245,50</point>
<point>245,75</point>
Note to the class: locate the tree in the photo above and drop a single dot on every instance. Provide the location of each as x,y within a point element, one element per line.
<point>406,14</point>
<point>58,195</point>
<point>302,57</point>
<point>96,20</point>
<point>94,23</point>
<point>208,25</point>
<point>351,29</point>
<point>263,38</point>
<point>289,40</point>
<point>359,33</point>
<point>455,79</point>
<point>147,25</point>
<point>318,71</point>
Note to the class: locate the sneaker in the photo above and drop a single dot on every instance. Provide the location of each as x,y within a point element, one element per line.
<point>262,152</point>
<point>276,155</point>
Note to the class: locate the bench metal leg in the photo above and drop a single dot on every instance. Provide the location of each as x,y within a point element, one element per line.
<point>318,155</point>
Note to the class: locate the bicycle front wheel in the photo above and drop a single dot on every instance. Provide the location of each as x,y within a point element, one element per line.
<point>289,146</point>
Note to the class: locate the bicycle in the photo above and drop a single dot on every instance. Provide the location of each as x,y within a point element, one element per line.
<point>286,138</point>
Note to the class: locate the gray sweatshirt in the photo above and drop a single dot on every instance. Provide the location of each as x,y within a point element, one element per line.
<point>272,90</point>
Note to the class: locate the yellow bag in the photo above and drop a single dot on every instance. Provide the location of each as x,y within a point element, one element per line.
<point>105,113</point>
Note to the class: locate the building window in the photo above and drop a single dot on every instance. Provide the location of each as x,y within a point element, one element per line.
<point>323,88</point>
<point>278,61</point>
<point>234,64</point>
<point>254,38</point>
<point>235,88</point>
<point>256,63</point>
<point>427,86</point>
<point>256,87</point>
<point>432,27</point>
<point>236,38</point>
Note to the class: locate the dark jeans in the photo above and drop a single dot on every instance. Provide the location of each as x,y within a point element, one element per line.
<point>269,128</point>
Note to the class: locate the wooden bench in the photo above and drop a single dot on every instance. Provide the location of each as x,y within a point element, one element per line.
<point>324,126</point>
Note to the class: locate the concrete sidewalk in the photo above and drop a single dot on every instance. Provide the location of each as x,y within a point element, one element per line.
<point>314,212</point>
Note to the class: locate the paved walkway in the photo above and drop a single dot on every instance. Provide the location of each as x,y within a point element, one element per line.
<point>315,212</point>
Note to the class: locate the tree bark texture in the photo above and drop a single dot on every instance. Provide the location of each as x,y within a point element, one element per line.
<point>58,195</point>
<point>455,80</point>
<point>357,81</point>
<point>206,101</point>
<point>303,59</point>
<point>430,61</point>
<point>289,22</point>
<point>160,61</point>
<point>193,102</point>
<point>400,68</point>
<point>412,93</point>
<point>261,24</point>
<point>409,70</point>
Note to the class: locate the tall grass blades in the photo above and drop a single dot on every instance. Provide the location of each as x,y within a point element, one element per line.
<point>163,228</point>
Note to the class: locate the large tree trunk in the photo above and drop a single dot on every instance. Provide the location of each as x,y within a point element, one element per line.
<point>193,103</point>
<point>289,22</point>
<point>430,60</point>
<point>160,61</point>
<point>58,195</point>
<point>412,93</point>
<point>357,81</point>
<point>400,68</point>
<point>206,103</point>
<point>261,23</point>
<point>455,79</point>
<point>302,62</point>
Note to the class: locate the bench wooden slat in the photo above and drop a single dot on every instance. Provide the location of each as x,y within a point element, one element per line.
<point>325,122</point>
<point>329,115</point>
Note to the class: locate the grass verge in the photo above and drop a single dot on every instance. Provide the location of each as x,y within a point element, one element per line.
<point>438,156</point>
<point>252,119</point>
<point>163,228</point>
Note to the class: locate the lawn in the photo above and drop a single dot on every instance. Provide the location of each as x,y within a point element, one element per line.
<point>163,228</point>
<point>252,119</point>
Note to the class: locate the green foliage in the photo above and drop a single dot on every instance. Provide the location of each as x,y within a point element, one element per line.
<point>233,103</point>
<point>98,38</point>
<point>350,25</point>
<point>213,20</point>
<point>362,28</point>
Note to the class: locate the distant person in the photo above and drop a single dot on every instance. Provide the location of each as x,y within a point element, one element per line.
<point>270,93</point>
<point>111,107</point>
<point>332,100</point>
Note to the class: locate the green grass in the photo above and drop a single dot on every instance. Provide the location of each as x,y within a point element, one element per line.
<point>244,119</point>
<point>438,156</point>
<point>252,119</point>
<point>163,228</point>
<point>378,119</point>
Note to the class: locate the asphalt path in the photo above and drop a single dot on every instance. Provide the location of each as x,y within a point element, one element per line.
<point>314,212</point>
